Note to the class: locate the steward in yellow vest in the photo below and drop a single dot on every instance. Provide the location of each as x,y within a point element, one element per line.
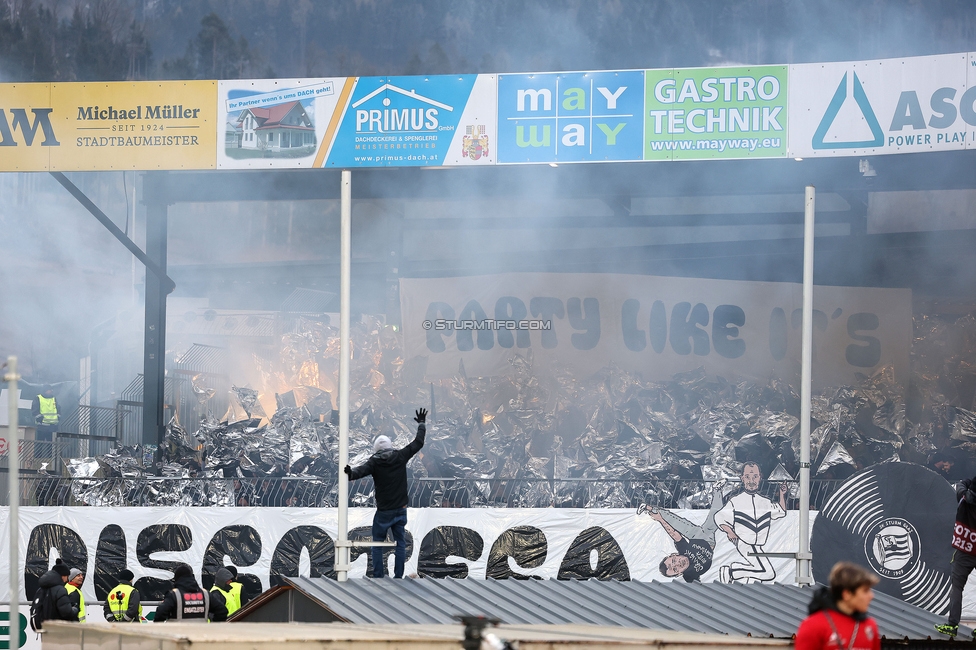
<point>222,589</point>
<point>237,588</point>
<point>123,604</point>
<point>75,579</point>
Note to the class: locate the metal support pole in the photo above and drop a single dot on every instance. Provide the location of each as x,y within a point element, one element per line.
<point>806,361</point>
<point>154,361</point>
<point>13,458</point>
<point>342,547</point>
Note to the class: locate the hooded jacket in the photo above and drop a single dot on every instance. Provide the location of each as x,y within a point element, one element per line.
<point>821,629</point>
<point>388,467</point>
<point>188,585</point>
<point>62,610</point>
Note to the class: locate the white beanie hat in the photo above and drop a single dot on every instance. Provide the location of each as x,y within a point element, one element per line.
<point>381,443</point>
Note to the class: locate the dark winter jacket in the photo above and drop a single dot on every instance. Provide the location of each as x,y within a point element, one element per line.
<point>964,532</point>
<point>62,609</point>
<point>188,585</point>
<point>388,468</point>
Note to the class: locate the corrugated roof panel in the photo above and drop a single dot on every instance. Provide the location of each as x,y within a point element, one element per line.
<point>760,610</point>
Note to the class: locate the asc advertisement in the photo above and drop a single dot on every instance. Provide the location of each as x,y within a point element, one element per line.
<point>925,103</point>
<point>653,325</point>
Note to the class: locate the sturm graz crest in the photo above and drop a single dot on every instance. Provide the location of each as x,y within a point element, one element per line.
<point>892,547</point>
<point>897,519</point>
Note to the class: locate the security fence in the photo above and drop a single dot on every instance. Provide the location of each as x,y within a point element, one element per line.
<point>39,489</point>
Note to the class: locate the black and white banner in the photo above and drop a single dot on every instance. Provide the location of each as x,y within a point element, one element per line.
<point>268,544</point>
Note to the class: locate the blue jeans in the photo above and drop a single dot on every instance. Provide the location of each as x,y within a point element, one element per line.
<point>383,521</point>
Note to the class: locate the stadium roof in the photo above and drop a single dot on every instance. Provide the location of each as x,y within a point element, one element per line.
<point>758,610</point>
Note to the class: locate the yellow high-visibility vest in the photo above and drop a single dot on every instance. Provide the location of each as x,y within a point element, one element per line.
<point>81,602</point>
<point>49,409</point>
<point>118,602</point>
<point>235,590</point>
<point>231,598</point>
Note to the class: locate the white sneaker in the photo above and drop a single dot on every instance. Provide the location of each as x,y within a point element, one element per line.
<point>725,575</point>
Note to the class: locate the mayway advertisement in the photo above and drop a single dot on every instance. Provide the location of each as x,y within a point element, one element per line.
<point>653,325</point>
<point>702,113</point>
<point>858,108</point>
<point>279,122</point>
<point>417,122</point>
<point>570,117</point>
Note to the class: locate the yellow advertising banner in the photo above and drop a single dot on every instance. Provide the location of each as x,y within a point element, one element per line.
<point>26,133</point>
<point>108,125</point>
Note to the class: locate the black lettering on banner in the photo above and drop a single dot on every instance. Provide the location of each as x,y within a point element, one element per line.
<point>726,321</point>
<point>435,311</point>
<point>511,308</point>
<point>242,544</point>
<point>443,542</point>
<point>778,334</point>
<point>288,554</point>
<point>68,544</point>
<point>685,330</point>
<point>863,356</point>
<point>365,533</point>
<point>578,562</point>
<point>526,545</point>
<point>819,323</point>
<point>584,317</point>
<point>658,331</point>
<point>465,337</point>
<point>156,539</point>
<point>547,309</point>
<point>634,338</point>
<point>110,558</point>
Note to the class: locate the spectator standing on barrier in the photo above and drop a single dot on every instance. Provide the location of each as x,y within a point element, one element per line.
<point>75,579</point>
<point>47,414</point>
<point>186,601</point>
<point>388,467</point>
<point>838,617</point>
<point>123,603</point>
<point>963,554</point>
<point>222,590</point>
<point>51,600</point>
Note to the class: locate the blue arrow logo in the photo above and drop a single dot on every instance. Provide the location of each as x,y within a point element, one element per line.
<point>834,107</point>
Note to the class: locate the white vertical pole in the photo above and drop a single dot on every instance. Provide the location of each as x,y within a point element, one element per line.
<point>13,458</point>
<point>806,361</point>
<point>345,204</point>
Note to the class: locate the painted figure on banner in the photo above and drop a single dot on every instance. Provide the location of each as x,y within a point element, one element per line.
<point>745,519</point>
<point>694,544</point>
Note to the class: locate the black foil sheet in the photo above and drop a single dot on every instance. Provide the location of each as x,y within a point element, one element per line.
<point>535,438</point>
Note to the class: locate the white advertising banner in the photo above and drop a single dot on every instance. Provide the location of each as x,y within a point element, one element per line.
<point>856,108</point>
<point>657,326</point>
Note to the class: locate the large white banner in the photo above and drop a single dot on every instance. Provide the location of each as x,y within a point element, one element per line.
<point>856,108</point>
<point>269,543</point>
<point>657,326</point>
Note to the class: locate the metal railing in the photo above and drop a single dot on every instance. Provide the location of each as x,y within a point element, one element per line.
<point>39,489</point>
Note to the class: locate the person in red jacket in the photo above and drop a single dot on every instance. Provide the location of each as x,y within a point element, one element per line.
<point>838,617</point>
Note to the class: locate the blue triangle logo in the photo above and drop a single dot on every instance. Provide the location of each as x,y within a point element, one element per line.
<point>834,107</point>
